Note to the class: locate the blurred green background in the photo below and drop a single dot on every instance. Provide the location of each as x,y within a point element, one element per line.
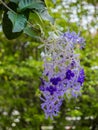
<point>21,67</point>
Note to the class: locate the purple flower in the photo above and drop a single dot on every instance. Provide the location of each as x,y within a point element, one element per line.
<point>81,40</point>
<point>74,38</point>
<point>73,63</point>
<point>55,81</point>
<point>51,107</point>
<point>81,77</point>
<point>42,81</point>
<point>69,74</point>
<point>42,88</point>
<point>62,74</point>
<point>51,89</point>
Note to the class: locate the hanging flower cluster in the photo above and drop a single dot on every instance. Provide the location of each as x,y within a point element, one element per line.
<point>62,72</point>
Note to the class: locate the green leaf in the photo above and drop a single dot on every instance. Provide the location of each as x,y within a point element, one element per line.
<point>30,4</point>
<point>18,21</point>
<point>7,28</point>
<point>30,32</point>
<point>15,1</point>
<point>92,90</point>
<point>37,20</point>
<point>76,113</point>
<point>46,16</point>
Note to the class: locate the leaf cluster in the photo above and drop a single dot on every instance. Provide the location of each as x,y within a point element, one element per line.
<point>16,17</point>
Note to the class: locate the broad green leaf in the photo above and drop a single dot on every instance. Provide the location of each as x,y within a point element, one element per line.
<point>30,4</point>
<point>7,28</point>
<point>18,21</point>
<point>46,16</point>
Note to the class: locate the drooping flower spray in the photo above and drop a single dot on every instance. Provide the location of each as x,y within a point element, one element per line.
<point>62,72</point>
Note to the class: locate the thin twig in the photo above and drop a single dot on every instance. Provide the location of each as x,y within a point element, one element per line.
<point>8,7</point>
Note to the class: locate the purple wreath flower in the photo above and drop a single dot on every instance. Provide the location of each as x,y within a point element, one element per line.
<point>69,74</point>
<point>81,76</point>
<point>51,89</point>
<point>62,73</point>
<point>55,81</point>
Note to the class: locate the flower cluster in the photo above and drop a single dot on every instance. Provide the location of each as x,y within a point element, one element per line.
<point>62,72</point>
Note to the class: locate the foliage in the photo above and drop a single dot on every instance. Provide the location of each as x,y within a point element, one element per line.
<point>16,14</point>
<point>19,86</point>
<point>21,67</point>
